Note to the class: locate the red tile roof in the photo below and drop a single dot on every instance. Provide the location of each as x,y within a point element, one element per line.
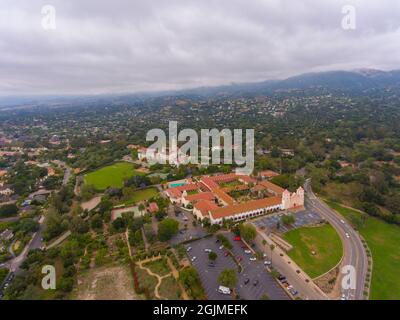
<point>204,206</point>
<point>268,174</point>
<point>272,187</point>
<point>200,196</point>
<point>177,191</point>
<point>244,207</point>
<point>224,197</point>
<point>153,207</point>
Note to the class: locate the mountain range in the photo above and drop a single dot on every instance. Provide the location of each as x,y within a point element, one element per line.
<point>347,82</point>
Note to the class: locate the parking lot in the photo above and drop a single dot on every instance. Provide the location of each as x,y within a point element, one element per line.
<point>252,270</point>
<point>270,223</point>
<point>188,233</point>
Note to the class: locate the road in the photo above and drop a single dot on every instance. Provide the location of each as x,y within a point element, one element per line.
<point>354,252</point>
<point>35,243</point>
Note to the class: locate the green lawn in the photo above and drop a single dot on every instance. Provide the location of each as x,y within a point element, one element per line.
<point>141,195</point>
<point>111,176</point>
<point>323,240</point>
<point>384,242</point>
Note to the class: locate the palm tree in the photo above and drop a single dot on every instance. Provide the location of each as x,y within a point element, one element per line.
<point>272,247</point>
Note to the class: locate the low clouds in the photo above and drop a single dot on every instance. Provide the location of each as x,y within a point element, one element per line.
<point>128,46</point>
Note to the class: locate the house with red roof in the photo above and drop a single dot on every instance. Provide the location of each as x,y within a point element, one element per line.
<point>153,207</point>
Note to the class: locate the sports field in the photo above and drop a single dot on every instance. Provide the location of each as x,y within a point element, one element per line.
<point>111,176</point>
<point>315,249</point>
<point>384,242</point>
<point>141,195</point>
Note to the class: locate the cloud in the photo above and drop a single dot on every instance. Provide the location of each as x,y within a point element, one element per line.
<point>127,46</point>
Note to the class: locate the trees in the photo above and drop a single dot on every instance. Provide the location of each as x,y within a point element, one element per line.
<point>225,242</point>
<point>191,280</point>
<point>119,224</point>
<point>247,232</point>
<point>53,225</point>
<point>212,256</point>
<point>288,219</point>
<point>228,278</point>
<point>96,222</point>
<point>272,248</point>
<point>8,210</point>
<point>167,229</point>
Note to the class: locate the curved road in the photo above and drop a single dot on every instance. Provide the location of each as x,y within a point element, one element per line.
<point>354,252</point>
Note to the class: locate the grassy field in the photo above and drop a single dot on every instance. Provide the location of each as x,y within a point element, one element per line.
<point>141,195</point>
<point>323,240</point>
<point>111,176</point>
<point>384,241</point>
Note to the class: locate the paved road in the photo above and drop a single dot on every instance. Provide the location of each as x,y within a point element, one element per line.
<point>354,252</point>
<point>36,242</point>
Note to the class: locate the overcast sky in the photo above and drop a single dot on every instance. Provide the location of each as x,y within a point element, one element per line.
<point>128,46</point>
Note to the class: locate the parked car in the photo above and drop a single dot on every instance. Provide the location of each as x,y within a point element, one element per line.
<point>226,253</point>
<point>207,250</point>
<point>188,249</point>
<point>293,291</point>
<point>347,235</point>
<point>247,251</point>
<point>267,262</point>
<point>221,247</point>
<point>237,238</point>
<point>224,290</point>
<point>253,258</point>
<point>194,258</point>
<point>211,264</point>
<point>255,282</point>
<point>246,281</point>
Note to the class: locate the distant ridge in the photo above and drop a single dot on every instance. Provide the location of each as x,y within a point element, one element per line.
<point>355,81</point>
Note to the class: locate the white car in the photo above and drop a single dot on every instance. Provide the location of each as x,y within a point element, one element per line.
<point>264,255</point>
<point>247,251</point>
<point>221,247</point>
<point>207,250</point>
<point>342,221</point>
<point>253,259</point>
<point>194,258</point>
<point>188,249</point>
<point>267,263</point>
<point>347,235</point>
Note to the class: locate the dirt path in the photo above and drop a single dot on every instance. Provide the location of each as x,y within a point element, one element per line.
<point>159,278</point>
<point>174,272</point>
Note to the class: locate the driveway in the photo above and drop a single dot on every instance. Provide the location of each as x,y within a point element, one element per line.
<point>186,229</point>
